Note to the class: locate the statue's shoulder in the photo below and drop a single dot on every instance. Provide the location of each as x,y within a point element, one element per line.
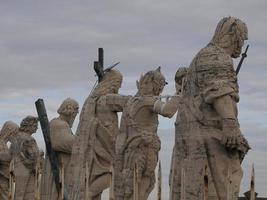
<point>212,56</point>
<point>58,123</point>
<point>142,101</point>
<point>23,136</point>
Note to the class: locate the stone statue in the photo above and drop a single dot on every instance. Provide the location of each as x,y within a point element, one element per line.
<point>94,146</point>
<point>138,144</point>
<point>213,146</point>
<point>62,140</point>
<point>179,150</point>
<point>25,153</point>
<point>9,130</point>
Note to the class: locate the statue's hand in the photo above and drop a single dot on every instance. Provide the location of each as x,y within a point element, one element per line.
<point>233,138</point>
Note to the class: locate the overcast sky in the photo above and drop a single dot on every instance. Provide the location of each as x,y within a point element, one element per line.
<point>47,49</point>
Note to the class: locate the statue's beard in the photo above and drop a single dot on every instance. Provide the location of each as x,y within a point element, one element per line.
<point>236,53</point>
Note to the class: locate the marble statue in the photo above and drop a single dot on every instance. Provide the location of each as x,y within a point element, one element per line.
<point>62,140</point>
<point>179,150</point>
<point>8,131</point>
<point>138,144</point>
<point>25,153</point>
<point>94,146</point>
<point>207,130</point>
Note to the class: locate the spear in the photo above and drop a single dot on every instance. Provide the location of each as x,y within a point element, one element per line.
<point>244,55</point>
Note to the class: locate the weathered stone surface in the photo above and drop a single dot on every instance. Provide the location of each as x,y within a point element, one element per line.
<point>62,140</point>
<point>207,128</point>
<point>138,145</point>
<point>25,153</point>
<point>94,146</point>
<point>8,131</point>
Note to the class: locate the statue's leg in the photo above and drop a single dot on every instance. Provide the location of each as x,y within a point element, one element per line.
<point>192,168</point>
<point>225,169</point>
<point>175,176</point>
<point>98,186</point>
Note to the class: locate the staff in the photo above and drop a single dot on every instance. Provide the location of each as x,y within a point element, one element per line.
<point>244,55</point>
<point>52,155</point>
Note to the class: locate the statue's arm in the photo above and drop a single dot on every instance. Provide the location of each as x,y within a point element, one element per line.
<point>29,153</point>
<point>61,136</point>
<point>226,107</point>
<point>117,102</point>
<point>168,108</point>
<point>223,96</point>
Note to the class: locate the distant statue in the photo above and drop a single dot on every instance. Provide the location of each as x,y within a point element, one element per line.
<point>8,131</point>
<point>62,140</point>
<point>214,147</point>
<point>94,147</point>
<point>179,150</point>
<point>138,144</point>
<point>25,153</point>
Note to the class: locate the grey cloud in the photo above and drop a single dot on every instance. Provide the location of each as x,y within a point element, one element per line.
<point>140,33</point>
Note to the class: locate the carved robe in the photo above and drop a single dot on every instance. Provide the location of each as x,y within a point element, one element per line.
<point>26,158</point>
<point>199,133</point>
<point>179,152</point>
<point>138,145</point>
<point>5,159</point>
<point>62,140</point>
<point>94,146</point>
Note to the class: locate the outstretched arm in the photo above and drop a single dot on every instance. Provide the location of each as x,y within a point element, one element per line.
<point>117,102</point>
<point>168,108</point>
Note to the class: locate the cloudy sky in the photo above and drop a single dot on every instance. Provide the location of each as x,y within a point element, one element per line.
<point>47,49</point>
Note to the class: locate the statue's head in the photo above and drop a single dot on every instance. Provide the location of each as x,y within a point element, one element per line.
<point>230,35</point>
<point>69,110</point>
<point>152,83</point>
<point>110,84</point>
<point>9,131</point>
<point>179,76</point>
<point>29,125</point>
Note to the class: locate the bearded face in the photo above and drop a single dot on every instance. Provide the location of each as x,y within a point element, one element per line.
<point>158,87</point>
<point>33,128</point>
<point>116,86</point>
<point>230,35</point>
<point>72,118</point>
<point>237,47</point>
